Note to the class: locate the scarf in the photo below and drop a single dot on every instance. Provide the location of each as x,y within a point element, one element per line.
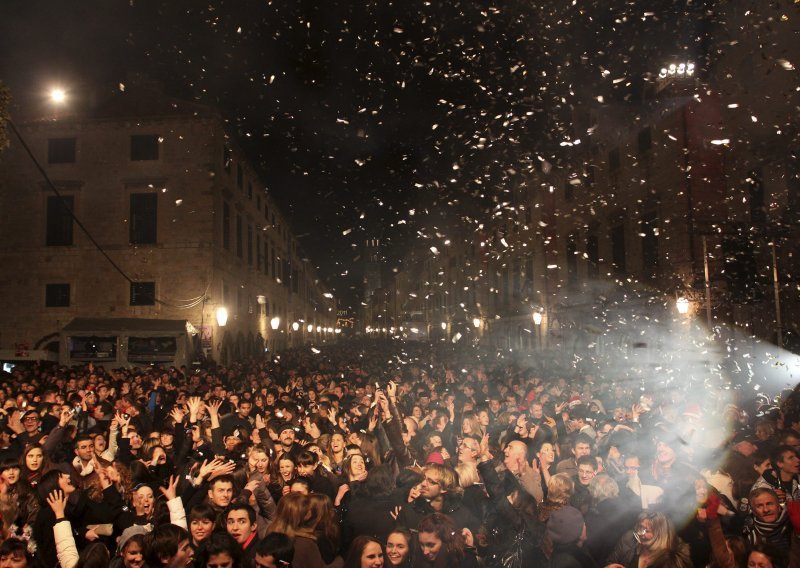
<point>776,534</point>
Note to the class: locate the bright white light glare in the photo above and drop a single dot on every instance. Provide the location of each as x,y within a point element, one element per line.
<point>222,316</point>
<point>677,69</point>
<point>275,322</point>
<point>444,325</point>
<point>295,326</point>
<point>683,306</point>
<point>319,328</point>
<point>328,295</point>
<point>721,141</point>
<point>310,328</point>
<point>537,318</point>
<point>58,95</point>
<point>476,322</point>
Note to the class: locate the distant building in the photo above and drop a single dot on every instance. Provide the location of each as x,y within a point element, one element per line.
<point>172,201</point>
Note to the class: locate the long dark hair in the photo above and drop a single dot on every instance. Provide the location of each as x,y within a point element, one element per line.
<point>353,559</point>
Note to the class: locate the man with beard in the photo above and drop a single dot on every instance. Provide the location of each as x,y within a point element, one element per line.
<point>287,443</point>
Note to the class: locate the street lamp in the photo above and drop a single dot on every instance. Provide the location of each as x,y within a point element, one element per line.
<point>295,326</point>
<point>275,322</point>
<point>310,328</point>
<point>682,304</point>
<point>476,323</point>
<point>537,318</point>
<point>58,95</point>
<point>222,316</point>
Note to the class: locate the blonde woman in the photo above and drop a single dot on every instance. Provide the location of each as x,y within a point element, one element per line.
<point>560,489</point>
<point>653,543</point>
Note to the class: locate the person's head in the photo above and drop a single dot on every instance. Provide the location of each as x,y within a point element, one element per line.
<point>566,526</point>
<point>439,479</point>
<point>54,480</point>
<point>337,442</point>
<point>467,475</point>
<point>560,488</point>
<point>132,551</point>
<point>354,466</point>
<point>631,465</point>
<point>9,470</point>
<point>654,531</point>
<point>290,514</point>
<point>220,491</point>
<point>785,461</point>
<point>516,456</point>
<point>581,446</point>
<point>33,458</point>
<point>765,556</point>
<point>258,460</point>
<point>31,422</point>
<point>300,485</point>
<point>546,453</point>
<point>665,453</point>
<point>201,522</point>
<point>14,554</point>
<point>221,551</point>
<point>287,435</point>
<point>94,555</point>
<point>240,522</point>
<point>286,468</point>
<point>587,469</point>
<point>84,448</point>
<point>765,505</point>
<point>143,499</point>
<point>245,406</point>
<point>469,450</point>
<point>306,463</point>
<point>168,546</point>
<point>602,487</point>
<point>398,546</point>
<point>438,536</point>
<point>276,550</point>
<point>365,552</point>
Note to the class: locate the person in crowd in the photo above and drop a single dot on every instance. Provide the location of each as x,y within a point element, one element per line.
<point>399,548</point>
<point>130,452</point>
<point>653,542</point>
<point>365,552</point>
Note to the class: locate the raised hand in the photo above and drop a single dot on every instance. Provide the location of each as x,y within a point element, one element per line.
<point>260,424</point>
<point>469,540</point>
<point>391,390</point>
<point>395,512</point>
<point>58,503</point>
<point>177,415</point>
<point>252,485</point>
<point>170,492</point>
<point>213,407</point>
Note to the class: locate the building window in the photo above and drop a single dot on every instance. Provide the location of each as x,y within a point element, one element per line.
<point>59,220</point>
<point>572,260</point>
<point>650,245</point>
<point>250,191</point>
<point>239,247</point>
<point>613,162</point>
<point>61,150</point>
<point>143,293</point>
<point>144,218</point>
<point>56,296</point>
<point>618,249</point>
<point>250,245</point>
<point>226,226</point>
<point>239,176</point>
<point>644,141</point>
<point>258,252</point>
<point>144,147</point>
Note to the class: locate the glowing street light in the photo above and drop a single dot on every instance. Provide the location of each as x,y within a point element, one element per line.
<point>310,328</point>
<point>58,95</point>
<point>275,322</point>
<point>476,323</point>
<point>683,305</point>
<point>444,325</point>
<point>537,318</point>
<point>295,326</point>
<point>222,316</point>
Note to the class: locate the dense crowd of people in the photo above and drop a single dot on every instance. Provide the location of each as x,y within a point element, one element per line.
<point>384,454</point>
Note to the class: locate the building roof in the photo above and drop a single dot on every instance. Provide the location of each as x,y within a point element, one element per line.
<point>102,325</point>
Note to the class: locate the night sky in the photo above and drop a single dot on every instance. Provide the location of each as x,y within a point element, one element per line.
<point>368,119</point>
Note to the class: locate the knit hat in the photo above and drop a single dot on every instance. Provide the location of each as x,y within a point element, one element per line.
<point>565,525</point>
<point>435,457</point>
<point>126,535</point>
